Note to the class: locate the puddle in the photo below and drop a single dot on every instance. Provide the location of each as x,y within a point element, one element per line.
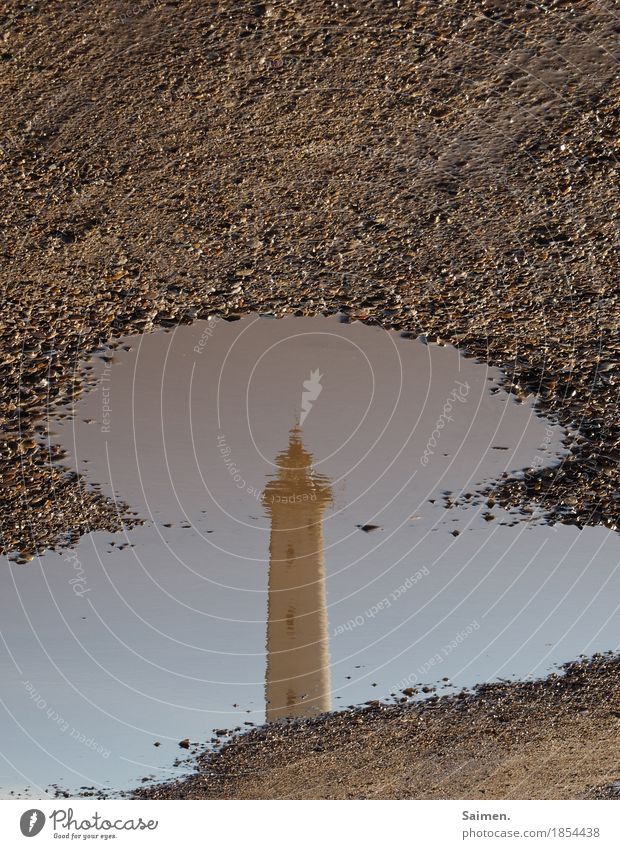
<point>296,555</point>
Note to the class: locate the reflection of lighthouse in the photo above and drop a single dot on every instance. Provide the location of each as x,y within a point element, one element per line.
<point>298,676</point>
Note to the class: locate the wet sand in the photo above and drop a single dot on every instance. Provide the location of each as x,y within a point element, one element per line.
<point>446,170</point>
<point>550,739</point>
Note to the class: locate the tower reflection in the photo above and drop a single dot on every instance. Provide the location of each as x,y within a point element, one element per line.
<point>298,681</point>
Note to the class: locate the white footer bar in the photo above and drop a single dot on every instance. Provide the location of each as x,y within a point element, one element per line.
<point>296,825</point>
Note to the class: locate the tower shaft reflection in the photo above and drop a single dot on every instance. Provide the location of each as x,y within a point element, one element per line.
<point>298,681</point>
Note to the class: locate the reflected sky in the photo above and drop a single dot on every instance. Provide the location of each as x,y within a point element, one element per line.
<point>232,604</point>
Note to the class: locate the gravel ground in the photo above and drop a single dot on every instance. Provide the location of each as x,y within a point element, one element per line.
<point>444,168</point>
<point>551,739</point>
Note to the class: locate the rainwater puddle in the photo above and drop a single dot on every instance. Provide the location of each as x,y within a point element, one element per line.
<point>296,556</point>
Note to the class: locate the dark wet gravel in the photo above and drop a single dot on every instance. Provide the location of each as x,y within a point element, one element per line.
<point>445,169</point>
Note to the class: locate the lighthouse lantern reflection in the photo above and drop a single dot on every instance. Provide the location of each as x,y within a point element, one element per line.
<point>298,674</point>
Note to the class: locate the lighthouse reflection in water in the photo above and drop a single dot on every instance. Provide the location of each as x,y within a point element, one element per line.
<point>298,674</point>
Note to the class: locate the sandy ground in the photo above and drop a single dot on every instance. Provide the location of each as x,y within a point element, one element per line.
<point>447,169</point>
<point>552,739</point>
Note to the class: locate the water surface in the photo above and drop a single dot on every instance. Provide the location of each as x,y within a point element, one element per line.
<point>297,555</point>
